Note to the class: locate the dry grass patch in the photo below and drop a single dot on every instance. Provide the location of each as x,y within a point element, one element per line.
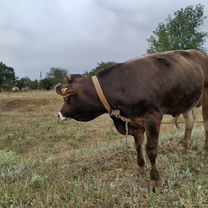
<point>48,163</point>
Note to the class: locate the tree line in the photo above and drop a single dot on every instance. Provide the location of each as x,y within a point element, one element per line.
<point>56,75</point>
<point>180,31</point>
<point>8,79</point>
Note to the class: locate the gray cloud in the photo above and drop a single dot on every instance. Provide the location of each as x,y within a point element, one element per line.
<point>37,35</point>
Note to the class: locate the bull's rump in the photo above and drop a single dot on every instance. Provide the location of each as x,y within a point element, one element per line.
<point>170,81</point>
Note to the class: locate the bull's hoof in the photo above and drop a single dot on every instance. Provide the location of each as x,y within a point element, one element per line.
<point>141,162</point>
<point>184,148</point>
<point>155,185</point>
<point>141,169</point>
<point>155,178</point>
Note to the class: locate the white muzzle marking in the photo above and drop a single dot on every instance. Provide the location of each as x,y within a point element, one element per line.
<point>61,116</point>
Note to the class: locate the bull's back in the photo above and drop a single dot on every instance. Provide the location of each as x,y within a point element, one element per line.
<point>171,81</point>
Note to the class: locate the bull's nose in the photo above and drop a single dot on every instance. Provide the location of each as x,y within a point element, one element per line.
<point>61,116</point>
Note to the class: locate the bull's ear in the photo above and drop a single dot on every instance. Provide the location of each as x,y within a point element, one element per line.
<point>68,78</point>
<point>64,90</point>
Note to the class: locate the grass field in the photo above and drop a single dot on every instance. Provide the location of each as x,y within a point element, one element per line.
<point>48,163</point>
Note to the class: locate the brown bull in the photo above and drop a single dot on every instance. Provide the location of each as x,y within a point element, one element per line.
<point>143,89</point>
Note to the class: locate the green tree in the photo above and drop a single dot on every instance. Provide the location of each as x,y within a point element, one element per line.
<point>183,31</point>
<point>56,75</point>
<point>100,67</point>
<point>53,77</point>
<point>45,84</point>
<point>23,82</point>
<point>7,76</point>
<point>34,84</point>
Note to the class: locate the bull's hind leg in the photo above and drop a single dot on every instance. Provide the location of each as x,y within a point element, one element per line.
<point>205,118</point>
<point>189,123</point>
<point>139,144</point>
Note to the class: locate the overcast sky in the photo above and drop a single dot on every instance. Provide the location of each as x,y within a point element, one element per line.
<point>36,35</point>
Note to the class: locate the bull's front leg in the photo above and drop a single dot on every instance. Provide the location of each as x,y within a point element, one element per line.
<point>152,127</point>
<point>139,144</point>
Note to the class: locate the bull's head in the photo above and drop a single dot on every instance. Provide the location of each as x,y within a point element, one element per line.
<point>80,99</point>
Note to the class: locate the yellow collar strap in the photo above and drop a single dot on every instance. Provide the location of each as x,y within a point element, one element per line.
<point>101,94</point>
<point>112,112</point>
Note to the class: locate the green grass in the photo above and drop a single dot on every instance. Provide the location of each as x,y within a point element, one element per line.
<point>47,163</point>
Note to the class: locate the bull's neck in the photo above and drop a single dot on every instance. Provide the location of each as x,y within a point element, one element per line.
<point>107,86</point>
<point>94,100</point>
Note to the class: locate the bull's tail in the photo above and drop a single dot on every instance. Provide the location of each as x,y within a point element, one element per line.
<point>176,121</point>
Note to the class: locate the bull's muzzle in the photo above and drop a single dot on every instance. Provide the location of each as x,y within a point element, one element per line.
<point>61,116</point>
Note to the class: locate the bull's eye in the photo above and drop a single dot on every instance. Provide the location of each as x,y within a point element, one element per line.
<point>65,99</point>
